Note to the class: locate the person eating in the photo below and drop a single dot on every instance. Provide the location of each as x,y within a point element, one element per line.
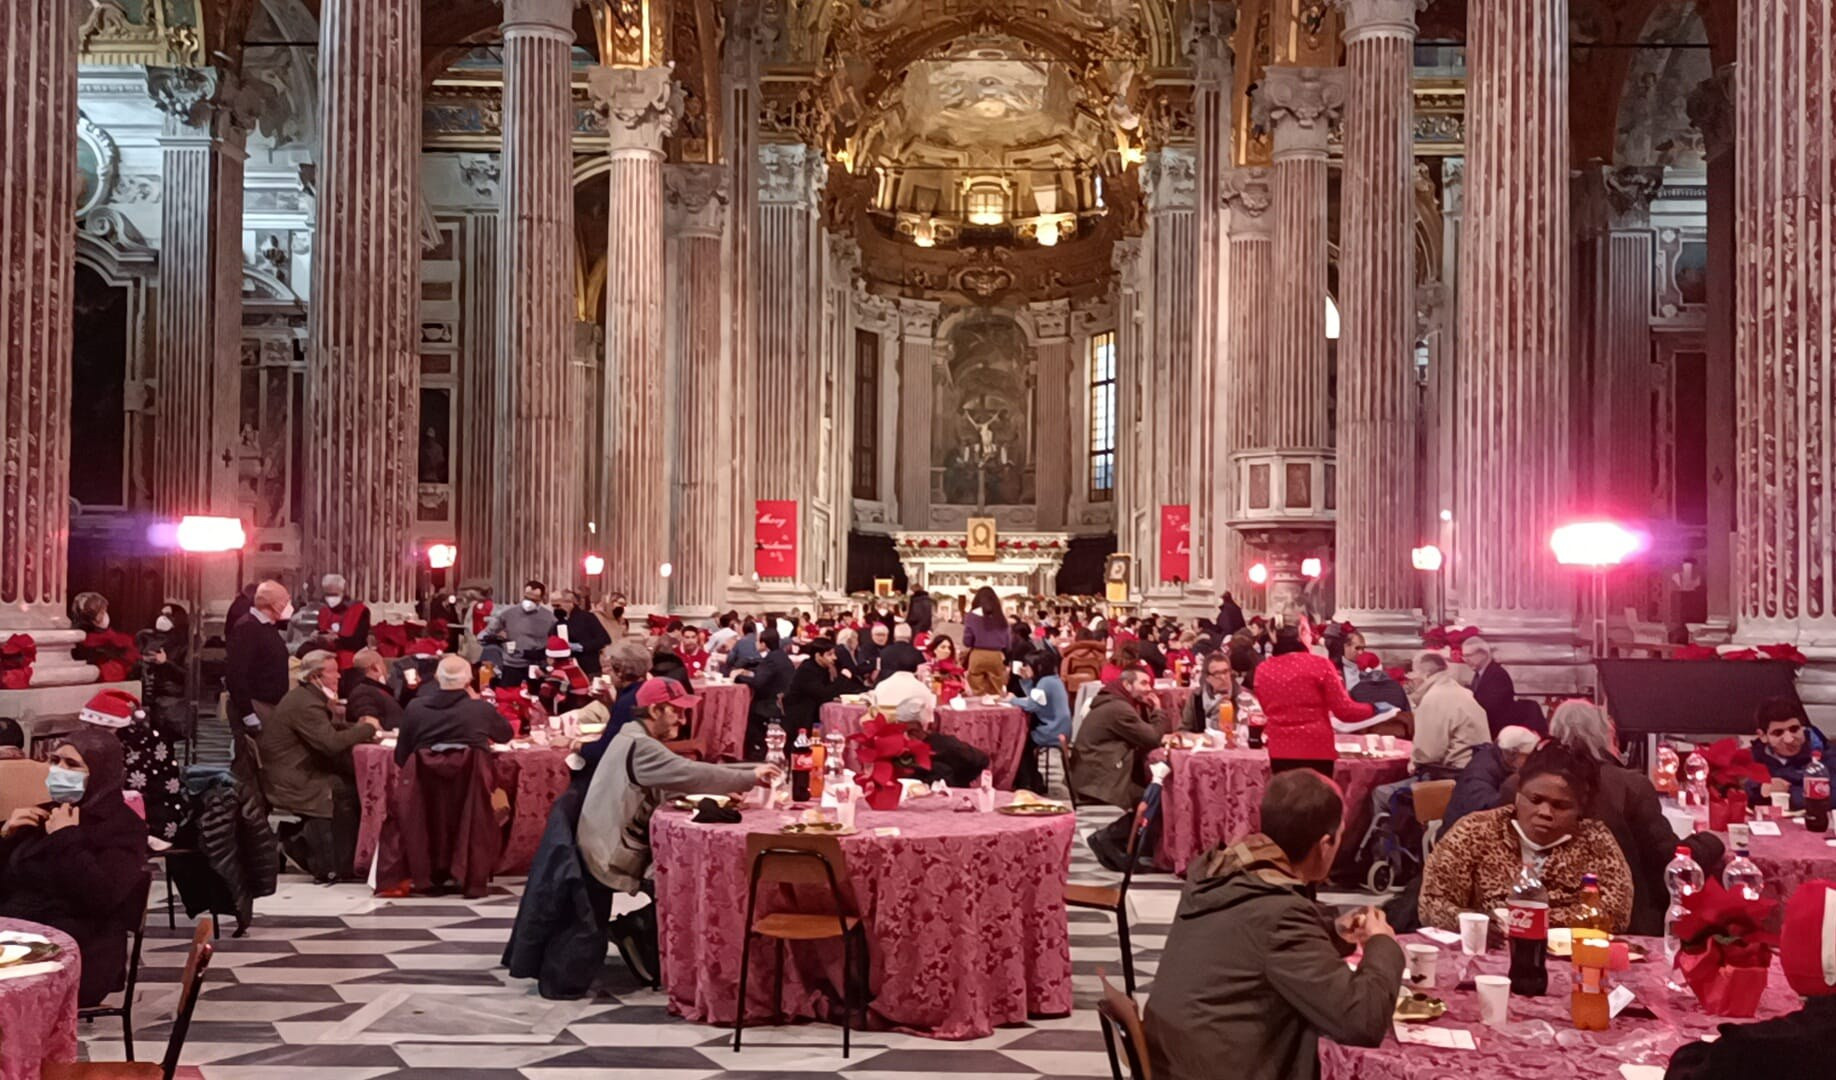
<point>1047,703</point>
<point>79,861</point>
<point>1783,742</point>
<point>946,673</point>
<point>1474,865</point>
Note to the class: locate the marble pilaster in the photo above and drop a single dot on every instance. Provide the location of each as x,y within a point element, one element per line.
<point>537,501</point>
<point>477,529</point>
<point>1376,526</point>
<point>1244,364</point>
<point>917,334</point>
<point>1051,321</point>
<point>696,198</point>
<point>1785,358</point>
<point>1514,317</point>
<point>1216,547</point>
<point>1611,394</point>
<point>199,317</point>
<point>641,106</point>
<point>1166,444</point>
<point>363,379</point>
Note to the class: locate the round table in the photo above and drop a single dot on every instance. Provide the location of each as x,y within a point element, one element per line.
<point>533,778</point>
<point>1215,796</point>
<point>38,1013</point>
<point>964,914</point>
<point>1792,858</point>
<point>1000,731</point>
<point>720,720</point>
<point>1539,1040</point>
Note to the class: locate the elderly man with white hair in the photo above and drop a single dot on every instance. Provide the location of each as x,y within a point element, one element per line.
<point>450,716</point>
<point>306,770</point>
<point>1492,686</point>
<point>343,620</point>
<point>1449,727</point>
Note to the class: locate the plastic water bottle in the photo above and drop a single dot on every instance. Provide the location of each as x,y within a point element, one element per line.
<point>1817,794</point>
<point>1742,876</point>
<point>1683,877</point>
<point>1695,777</point>
<point>1664,777</point>
<point>774,755</point>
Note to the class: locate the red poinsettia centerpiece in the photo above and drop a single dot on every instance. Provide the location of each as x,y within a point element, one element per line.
<point>886,751</point>
<point>1726,950</point>
<point>1731,765</point>
<point>17,655</point>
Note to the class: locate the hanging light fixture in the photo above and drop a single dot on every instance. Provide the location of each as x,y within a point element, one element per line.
<point>1047,233</point>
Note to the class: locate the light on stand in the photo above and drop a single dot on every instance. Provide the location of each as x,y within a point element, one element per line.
<point>1597,547</point>
<point>199,535</point>
<point>593,565</point>
<point>1426,558</point>
<point>1429,560</point>
<point>1259,574</point>
<point>1311,568</point>
<point>665,570</point>
<point>442,556</point>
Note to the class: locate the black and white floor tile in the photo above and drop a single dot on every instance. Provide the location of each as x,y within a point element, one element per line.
<point>335,984</point>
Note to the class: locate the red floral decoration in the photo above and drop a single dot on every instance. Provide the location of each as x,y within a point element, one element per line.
<point>1696,652</point>
<point>112,652</point>
<point>1726,952</point>
<point>1787,653</point>
<point>1398,673</point>
<point>391,639</point>
<point>886,751</point>
<point>1741,654</point>
<point>17,655</point>
<point>1731,765</point>
<point>1435,637</point>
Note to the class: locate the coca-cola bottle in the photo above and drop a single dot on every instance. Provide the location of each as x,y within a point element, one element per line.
<point>1527,913</point>
<point>801,763</point>
<point>1817,794</point>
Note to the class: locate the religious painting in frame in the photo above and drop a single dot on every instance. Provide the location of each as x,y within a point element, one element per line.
<point>981,541</point>
<point>1115,577</point>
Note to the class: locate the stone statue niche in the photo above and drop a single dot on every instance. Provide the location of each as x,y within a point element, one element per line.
<point>983,414</point>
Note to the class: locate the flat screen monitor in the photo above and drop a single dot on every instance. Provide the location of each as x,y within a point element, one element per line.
<point>1691,697</point>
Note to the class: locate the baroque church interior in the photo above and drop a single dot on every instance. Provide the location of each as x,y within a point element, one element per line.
<point>761,304</point>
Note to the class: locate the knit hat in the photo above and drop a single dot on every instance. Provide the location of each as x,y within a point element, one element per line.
<point>1807,940</point>
<point>110,709</point>
<point>558,647</point>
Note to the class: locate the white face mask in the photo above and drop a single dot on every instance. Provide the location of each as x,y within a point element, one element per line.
<point>333,599</point>
<point>163,625</point>
<point>528,604</point>
<point>1536,847</point>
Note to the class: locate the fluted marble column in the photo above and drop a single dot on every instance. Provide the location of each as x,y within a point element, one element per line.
<point>917,333</point>
<point>1511,442</point>
<point>742,61</point>
<point>696,197</point>
<point>1165,444</point>
<point>536,499</point>
<point>1215,546</point>
<point>641,106</point>
<point>477,473</point>
<point>1785,354</point>
<point>199,324</point>
<point>1058,443</point>
<point>1244,366</point>
<point>363,378</point>
<point>1376,586</point>
<point>38,112</point>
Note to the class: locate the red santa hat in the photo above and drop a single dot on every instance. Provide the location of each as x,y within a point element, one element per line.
<point>558,647</point>
<point>110,709</point>
<point>424,648</point>
<point>1807,940</point>
<point>657,623</point>
<point>1368,661</point>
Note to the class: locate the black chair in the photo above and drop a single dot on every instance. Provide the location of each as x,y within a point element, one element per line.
<point>1114,898</point>
<point>1042,756</point>
<point>189,988</point>
<point>125,1010</point>
<point>812,861</point>
<point>1066,756</point>
<point>1122,1026</point>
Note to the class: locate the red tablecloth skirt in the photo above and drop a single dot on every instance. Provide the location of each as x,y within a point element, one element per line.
<point>533,779</point>
<point>1215,796</point>
<point>1792,858</point>
<point>720,720</point>
<point>1000,731</point>
<point>1539,1039</point>
<point>964,913</point>
<point>38,1013</point>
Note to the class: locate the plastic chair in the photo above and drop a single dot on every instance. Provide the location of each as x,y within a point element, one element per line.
<point>1114,898</point>
<point>189,989</point>
<point>125,1010</point>
<point>1431,799</point>
<point>815,861</point>
<point>1122,1025</point>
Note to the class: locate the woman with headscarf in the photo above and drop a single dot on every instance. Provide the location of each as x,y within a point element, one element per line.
<point>79,862</point>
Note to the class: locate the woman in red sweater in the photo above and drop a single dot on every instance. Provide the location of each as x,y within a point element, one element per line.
<point>1300,693</point>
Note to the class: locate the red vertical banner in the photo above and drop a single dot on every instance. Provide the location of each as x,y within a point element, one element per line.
<point>1176,543</point>
<point>774,536</point>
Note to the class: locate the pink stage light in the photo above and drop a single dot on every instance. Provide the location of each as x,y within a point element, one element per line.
<point>1312,568</point>
<point>199,535</point>
<point>1259,574</point>
<point>593,565</point>
<point>442,556</point>
<point>1428,557</point>
<point>1595,543</point>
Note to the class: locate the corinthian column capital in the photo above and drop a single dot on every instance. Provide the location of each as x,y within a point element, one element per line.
<point>1169,178</point>
<point>1366,19</point>
<point>203,101</point>
<point>791,174</point>
<point>641,106</point>
<point>553,19</point>
<point>1300,104</point>
<point>696,196</point>
<point>1245,193</point>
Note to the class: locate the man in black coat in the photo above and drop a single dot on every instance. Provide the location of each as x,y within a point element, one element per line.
<point>372,696</point>
<point>584,631</point>
<point>816,682</point>
<point>255,668</point>
<point>1492,685</point>
<point>1230,616</point>
<point>921,612</point>
<point>450,715</point>
<point>768,681</point>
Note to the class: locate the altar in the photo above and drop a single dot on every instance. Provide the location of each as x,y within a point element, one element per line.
<point>1019,564</point>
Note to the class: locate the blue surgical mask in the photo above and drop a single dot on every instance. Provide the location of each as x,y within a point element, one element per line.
<point>65,785</point>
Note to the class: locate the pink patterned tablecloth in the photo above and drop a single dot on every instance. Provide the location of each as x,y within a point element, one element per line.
<point>533,779</point>
<point>720,720</point>
<point>1792,858</point>
<point>38,1013</point>
<point>1000,731</point>
<point>1538,1040</point>
<point>965,918</point>
<point>1215,796</point>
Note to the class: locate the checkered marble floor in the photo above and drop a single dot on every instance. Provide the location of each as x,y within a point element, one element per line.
<point>333,983</point>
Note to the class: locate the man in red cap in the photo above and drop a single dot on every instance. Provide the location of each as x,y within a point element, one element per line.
<point>1796,1046</point>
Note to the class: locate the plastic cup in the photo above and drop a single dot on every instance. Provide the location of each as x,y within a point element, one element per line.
<point>1494,999</point>
<point>1423,962</point>
<point>1781,803</point>
<point>1474,926</point>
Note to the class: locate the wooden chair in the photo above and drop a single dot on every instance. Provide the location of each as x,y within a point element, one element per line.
<point>1114,898</point>
<point>1064,763</point>
<point>1122,1024</point>
<point>125,1010</point>
<point>1431,799</point>
<point>189,988</point>
<point>815,861</point>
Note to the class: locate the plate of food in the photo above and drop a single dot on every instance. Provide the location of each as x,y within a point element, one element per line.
<point>1027,804</point>
<point>1418,1008</point>
<point>693,802</point>
<point>817,828</point>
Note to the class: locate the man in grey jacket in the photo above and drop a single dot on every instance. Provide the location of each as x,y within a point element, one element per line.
<point>1254,970</point>
<point>633,778</point>
<point>522,631</point>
